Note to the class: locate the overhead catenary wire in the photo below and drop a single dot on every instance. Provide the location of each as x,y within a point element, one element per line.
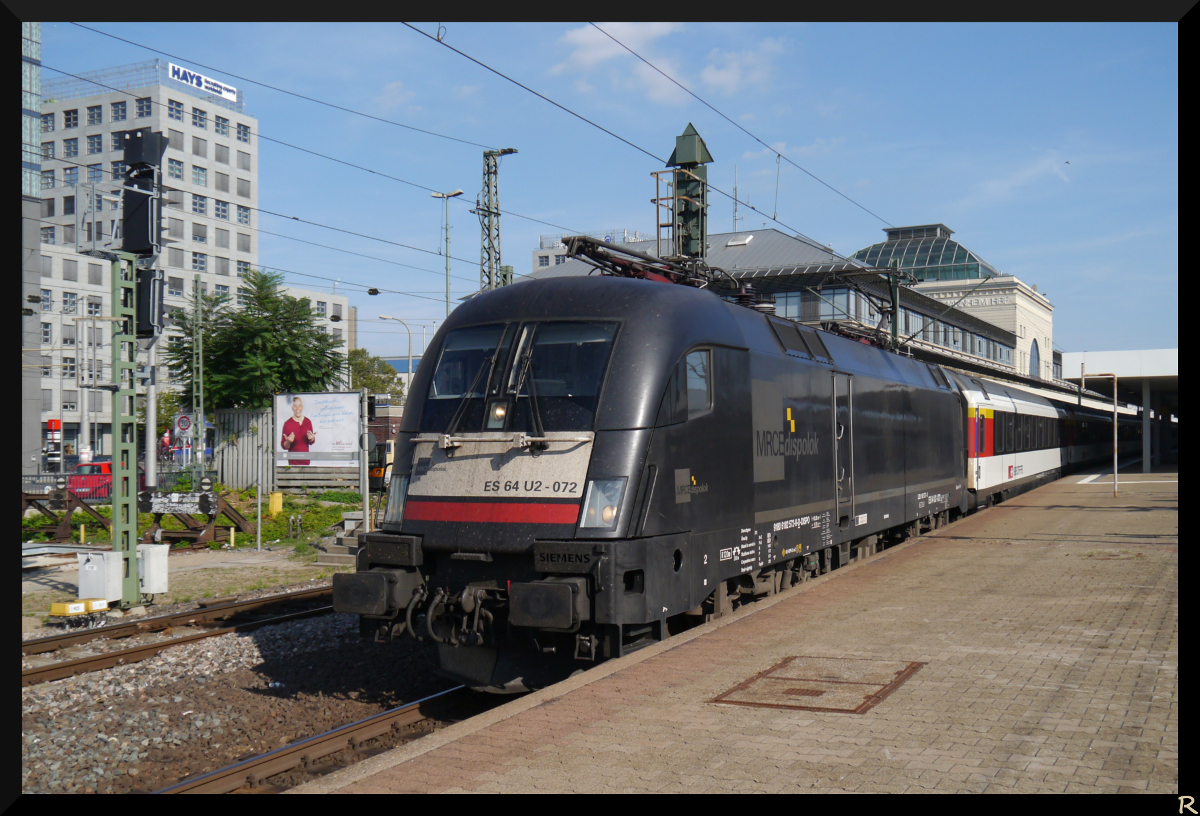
<point>778,154</point>
<point>285,90</point>
<point>219,221</point>
<point>710,186</point>
<point>309,151</point>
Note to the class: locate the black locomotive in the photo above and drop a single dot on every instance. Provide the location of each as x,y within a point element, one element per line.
<point>586,465</point>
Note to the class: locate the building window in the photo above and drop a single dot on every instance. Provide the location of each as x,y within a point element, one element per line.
<point>243,243</point>
<point>47,334</point>
<point>70,119</point>
<point>47,235</point>
<point>175,228</point>
<point>68,334</point>
<point>337,334</point>
<point>200,233</point>
<point>221,208</point>
<point>47,300</point>
<point>243,268</point>
<point>47,393</point>
<point>95,174</point>
<point>175,287</point>
<point>70,269</point>
<point>95,275</point>
<point>70,148</point>
<point>199,204</point>
<point>47,123</point>
<point>337,310</point>
<point>199,262</point>
<point>243,295</point>
<point>222,182</point>
<point>47,208</point>
<point>243,188</point>
<point>95,307</point>
<point>174,169</point>
<point>222,237</point>
<point>70,400</point>
<point>199,147</point>
<point>118,171</point>
<point>70,303</point>
<point>47,267</point>
<point>199,176</point>
<point>243,160</point>
<point>174,110</point>
<point>223,269</point>
<point>143,107</point>
<point>321,308</point>
<point>95,115</point>
<point>95,144</point>
<point>47,150</point>
<point>68,368</point>
<point>221,126</point>
<point>118,111</point>
<point>243,215</point>
<point>321,329</point>
<point>221,153</point>
<point>175,140</point>
<point>199,119</point>
<point>244,133</point>
<point>543,260</point>
<point>70,176</point>
<point>118,141</point>
<point>221,290</point>
<point>47,179</point>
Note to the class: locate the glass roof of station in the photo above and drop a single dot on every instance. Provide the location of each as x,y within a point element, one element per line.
<point>922,247</point>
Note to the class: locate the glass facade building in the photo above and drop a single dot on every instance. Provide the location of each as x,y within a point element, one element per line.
<point>928,253</point>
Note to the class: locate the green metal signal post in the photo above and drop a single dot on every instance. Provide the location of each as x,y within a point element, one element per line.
<point>124,423</point>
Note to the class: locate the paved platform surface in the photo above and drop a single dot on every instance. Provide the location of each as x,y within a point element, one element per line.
<point>1048,630</point>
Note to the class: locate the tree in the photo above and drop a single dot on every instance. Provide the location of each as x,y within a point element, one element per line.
<point>270,345</point>
<point>167,404</point>
<point>375,375</point>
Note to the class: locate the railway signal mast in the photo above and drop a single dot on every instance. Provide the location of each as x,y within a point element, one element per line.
<point>137,313</point>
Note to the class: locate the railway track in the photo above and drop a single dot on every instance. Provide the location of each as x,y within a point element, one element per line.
<point>206,616</point>
<point>255,769</point>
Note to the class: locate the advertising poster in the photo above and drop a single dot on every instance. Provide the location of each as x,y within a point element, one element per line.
<point>316,430</point>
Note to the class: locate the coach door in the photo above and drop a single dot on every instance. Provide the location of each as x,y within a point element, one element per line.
<point>843,444</point>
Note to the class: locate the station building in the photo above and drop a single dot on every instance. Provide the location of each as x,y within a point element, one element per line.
<point>950,273</point>
<point>210,219</point>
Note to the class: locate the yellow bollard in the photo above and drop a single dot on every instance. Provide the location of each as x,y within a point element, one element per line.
<point>83,534</point>
<point>275,504</point>
<point>232,537</point>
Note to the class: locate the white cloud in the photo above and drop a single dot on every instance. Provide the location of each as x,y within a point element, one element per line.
<point>1003,188</point>
<point>732,71</point>
<point>393,95</point>
<point>796,151</point>
<point>590,48</point>
<point>592,51</point>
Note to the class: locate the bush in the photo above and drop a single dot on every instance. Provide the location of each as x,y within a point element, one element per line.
<point>344,496</point>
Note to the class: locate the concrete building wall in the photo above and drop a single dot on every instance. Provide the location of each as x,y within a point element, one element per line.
<point>212,167</point>
<point>1008,303</point>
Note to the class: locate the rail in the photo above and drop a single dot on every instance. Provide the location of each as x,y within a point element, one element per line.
<point>255,769</point>
<point>204,615</point>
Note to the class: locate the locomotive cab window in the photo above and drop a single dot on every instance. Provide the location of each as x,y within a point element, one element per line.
<point>699,383</point>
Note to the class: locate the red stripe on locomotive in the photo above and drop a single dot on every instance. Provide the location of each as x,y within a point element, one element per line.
<point>503,513</point>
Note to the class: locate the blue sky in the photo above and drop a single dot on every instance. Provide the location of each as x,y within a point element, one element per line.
<point>969,125</point>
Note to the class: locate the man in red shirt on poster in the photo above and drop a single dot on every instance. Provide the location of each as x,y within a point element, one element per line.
<point>298,432</point>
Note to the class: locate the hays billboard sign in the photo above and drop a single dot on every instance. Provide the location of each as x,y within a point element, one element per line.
<point>202,83</point>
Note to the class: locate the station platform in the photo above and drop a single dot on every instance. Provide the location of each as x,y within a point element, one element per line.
<point>1032,647</point>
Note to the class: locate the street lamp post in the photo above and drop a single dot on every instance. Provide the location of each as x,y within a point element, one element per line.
<point>410,368</point>
<point>446,197</point>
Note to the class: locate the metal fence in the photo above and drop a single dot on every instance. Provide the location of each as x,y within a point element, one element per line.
<point>242,438</point>
<point>97,488</point>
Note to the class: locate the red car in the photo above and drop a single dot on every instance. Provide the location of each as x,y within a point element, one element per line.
<point>94,480</point>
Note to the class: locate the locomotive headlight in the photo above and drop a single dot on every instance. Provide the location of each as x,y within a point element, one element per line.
<point>496,414</point>
<point>397,493</point>
<point>602,503</point>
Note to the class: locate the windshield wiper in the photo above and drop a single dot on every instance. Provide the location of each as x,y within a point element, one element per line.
<point>488,363</point>
<point>535,412</point>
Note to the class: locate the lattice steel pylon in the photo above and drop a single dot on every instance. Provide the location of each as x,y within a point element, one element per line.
<point>124,423</point>
<point>487,207</point>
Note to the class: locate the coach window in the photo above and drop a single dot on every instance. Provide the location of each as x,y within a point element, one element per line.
<point>699,383</point>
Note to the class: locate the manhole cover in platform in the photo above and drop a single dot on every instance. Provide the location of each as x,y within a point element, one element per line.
<point>848,685</point>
